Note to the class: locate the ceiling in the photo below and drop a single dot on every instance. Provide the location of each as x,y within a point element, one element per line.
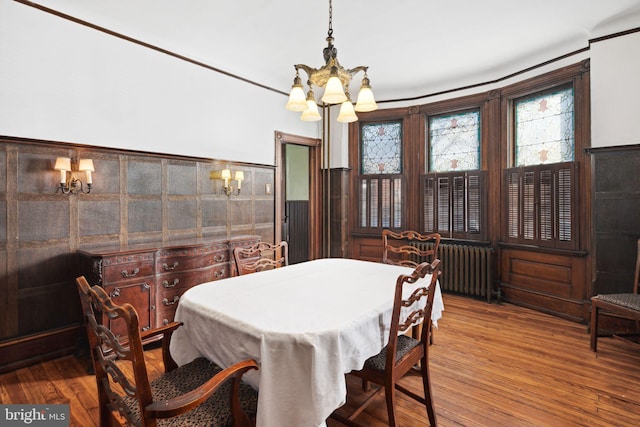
<point>412,47</point>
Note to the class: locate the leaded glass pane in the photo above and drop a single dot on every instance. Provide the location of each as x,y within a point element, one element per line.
<point>382,148</point>
<point>454,141</point>
<point>544,129</point>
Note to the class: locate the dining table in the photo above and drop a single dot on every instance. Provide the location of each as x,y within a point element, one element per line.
<point>305,324</point>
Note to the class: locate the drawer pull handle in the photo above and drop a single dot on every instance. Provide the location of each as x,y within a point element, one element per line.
<point>218,258</point>
<point>165,322</point>
<point>145,287</point>
<point>168,303</point>
<point>115,293</point>
<point>218,274</point>
<point>169,268</point>
<point>168,285</point>
<point>133,273</point>
<point>146,328</point>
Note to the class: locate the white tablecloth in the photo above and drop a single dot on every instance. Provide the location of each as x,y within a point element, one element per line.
<point>306,325</point>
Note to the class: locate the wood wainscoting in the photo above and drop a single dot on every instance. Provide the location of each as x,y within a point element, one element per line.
<point>550,282</point>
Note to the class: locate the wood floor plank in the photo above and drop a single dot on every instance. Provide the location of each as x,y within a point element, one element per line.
<point>494,365</point>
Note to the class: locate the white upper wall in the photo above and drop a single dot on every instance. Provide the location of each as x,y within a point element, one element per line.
<point>615,91</point>
<point>66,82</point>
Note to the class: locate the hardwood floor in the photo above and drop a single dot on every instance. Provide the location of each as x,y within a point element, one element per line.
<point>491,365</point>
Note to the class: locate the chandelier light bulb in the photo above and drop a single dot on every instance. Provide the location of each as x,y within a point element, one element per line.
<point>366,101</point>
<point>311,114</point>
<point>297,100</point>
<point>347,113</point>
<point>333,91</point>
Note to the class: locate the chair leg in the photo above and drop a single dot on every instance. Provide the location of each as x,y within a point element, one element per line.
<point>390,395</point>
<point>426,385</point>
<point>594,327</point>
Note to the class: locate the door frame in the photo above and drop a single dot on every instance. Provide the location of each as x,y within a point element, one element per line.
<point>315,188</point>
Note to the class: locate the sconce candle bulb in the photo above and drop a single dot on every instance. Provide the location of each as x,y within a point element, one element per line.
<point>239,178</point>
<point>74,184</point>
<point>225,175</point>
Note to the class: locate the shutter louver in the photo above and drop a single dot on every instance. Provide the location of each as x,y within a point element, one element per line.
<point>540,205</point>
<point>453,204</point>
<point>443,205</point>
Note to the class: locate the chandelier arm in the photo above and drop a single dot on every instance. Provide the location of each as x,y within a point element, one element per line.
<point>356,70</point>
<point>306,69</point>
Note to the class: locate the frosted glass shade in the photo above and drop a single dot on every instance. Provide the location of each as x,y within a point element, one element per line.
<point>297,100</point>
<point>311,114</point>
<point>366,102</point>
<point>347,113</point>
<point>225,174</point>
<point>333,91</point>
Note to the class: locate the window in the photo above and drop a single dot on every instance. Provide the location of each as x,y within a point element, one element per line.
<point>454,142</point>
<point>380,182</point>
<point>540,192</point>
<point>454,188</point>
<point>544,129</point>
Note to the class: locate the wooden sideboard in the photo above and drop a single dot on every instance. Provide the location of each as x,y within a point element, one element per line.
<point>152,277</point>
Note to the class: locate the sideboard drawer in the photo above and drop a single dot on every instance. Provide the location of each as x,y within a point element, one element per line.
<point>125,271</point>
<point>189,259</point>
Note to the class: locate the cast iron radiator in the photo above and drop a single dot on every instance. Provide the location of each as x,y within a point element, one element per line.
<point>465,269</point>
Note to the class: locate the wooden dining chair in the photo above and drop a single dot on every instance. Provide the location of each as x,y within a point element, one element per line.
<point>198,393</point>
<point>621,305</point>
<point>403,354</point>
<point>409,248</point>
<point>261,256</point>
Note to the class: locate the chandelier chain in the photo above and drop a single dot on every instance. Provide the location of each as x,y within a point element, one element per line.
<point>330,19</point>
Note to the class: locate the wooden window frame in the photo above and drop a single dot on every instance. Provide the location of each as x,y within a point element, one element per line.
<point>397,183</point>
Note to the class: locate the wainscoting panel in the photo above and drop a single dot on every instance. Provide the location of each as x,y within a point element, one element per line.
<point>136,198</point>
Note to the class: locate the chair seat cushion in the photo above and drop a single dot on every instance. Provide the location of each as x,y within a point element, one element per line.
<point>631,301</point>
<point>377,362</point>
<point>216,411</point>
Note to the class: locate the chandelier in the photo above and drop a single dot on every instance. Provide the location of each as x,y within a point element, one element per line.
<point>335,80</point>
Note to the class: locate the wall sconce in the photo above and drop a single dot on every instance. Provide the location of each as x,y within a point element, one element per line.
<point>74,184</point>
<point>226,176</point>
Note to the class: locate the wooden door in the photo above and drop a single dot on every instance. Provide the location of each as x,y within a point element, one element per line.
<point>298,196</point>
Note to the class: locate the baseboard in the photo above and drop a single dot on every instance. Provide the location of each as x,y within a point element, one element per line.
<point>29,350</point>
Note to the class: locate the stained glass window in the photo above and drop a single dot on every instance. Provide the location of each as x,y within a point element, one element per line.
<point>544,128</point>
<point>454,142</point>
<point>382,148</point>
